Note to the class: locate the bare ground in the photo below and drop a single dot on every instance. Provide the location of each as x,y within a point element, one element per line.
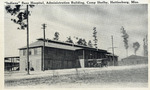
<point>121,76</point>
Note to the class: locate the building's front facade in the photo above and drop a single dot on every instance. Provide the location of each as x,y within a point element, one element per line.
<point>61,55</point>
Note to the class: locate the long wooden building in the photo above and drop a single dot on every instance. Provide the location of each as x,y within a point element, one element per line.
<point>62,55</point>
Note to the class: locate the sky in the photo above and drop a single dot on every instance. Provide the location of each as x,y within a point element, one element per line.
<point>78,21</point>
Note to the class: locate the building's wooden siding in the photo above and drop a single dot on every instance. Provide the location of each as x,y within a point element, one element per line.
<point>90,54</point>
<point>59,58</point>
<point>55,58</point>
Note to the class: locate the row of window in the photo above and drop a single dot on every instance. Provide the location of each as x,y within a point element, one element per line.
<point>33,51</point>
<point>59,52</point>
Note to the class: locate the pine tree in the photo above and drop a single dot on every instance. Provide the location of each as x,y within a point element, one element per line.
<point>84,42</point>
<point>90,43</point>
<point>95,37</point>
<point>56,36</point>
<point>69,40</point>
<point>125,39</point>
<point>79,42</point>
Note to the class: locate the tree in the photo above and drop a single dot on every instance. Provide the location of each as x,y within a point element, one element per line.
<point>56,36</point>
<point>95,37</point>
<point>22,17</point>
<point>75,39</point>
<point>90,43</point>
<point>69,40</point>
<point>84,42</point>
<point>79,42</point>
<point>125,39</point>
<point>136,46</point>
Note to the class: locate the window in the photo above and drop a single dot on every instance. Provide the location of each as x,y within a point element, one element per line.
<point>24,52</point>
<point>46,50</point>
<point>35,51</point>
<point>30,51</point>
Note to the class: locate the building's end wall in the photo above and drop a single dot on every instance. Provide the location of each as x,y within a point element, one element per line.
<point>34,59</point>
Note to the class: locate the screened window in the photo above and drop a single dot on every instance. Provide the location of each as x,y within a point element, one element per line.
<point>24,52</point>
<point>30,52</point>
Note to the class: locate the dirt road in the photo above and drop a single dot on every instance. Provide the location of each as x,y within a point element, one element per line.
<point>120,76</point>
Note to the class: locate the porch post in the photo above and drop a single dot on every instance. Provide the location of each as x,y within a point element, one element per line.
<point>83,61</point>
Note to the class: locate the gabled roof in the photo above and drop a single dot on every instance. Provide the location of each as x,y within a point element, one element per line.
<point>52,44</point>
<point>135,57</point>
<point>56,44</point>
<point>93,49</point>
<point>60,45</point>
<point>111,55</point>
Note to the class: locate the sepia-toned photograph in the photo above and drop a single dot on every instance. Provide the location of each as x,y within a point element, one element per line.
<point>75,46</point>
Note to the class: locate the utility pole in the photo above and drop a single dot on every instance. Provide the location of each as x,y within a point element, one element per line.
<point>127,52</point>
<point>28,63</point>
<point>145,46</point>
<point>113,50</point>
<point>44,26</point>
